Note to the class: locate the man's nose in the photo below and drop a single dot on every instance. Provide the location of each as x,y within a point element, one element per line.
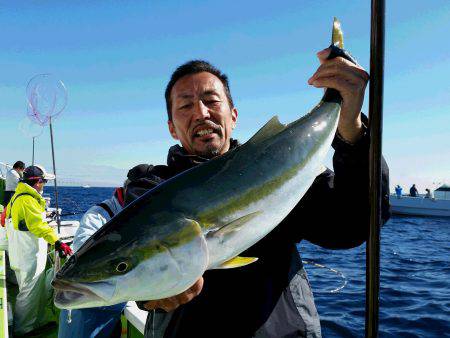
<point>201,111</point>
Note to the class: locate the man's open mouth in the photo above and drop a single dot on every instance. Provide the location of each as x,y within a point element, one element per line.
<point>207,129</point>
<point>204,132</point>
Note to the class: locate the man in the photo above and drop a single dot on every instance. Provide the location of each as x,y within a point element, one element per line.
<point>271,297</point>
<point>28,236</point>
<point>12,179</point>
<point>413,192</point>
<point>101,322</point>
<point>398,191</point>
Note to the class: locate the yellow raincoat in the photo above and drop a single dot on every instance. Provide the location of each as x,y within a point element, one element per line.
<point>28,213</point>
<point>28,234</point>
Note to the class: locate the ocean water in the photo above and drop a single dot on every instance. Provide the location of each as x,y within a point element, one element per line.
<point>415,274</point>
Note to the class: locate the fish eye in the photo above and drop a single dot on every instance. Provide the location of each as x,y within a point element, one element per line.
<point>122,267</point>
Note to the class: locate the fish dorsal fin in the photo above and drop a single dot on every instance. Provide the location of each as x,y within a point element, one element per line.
<point>271,128</point>
<point>236,262</point>
<point>233,225</point>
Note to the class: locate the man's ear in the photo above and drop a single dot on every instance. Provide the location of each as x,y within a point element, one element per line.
<point>234,115</point>
<point>172,130</point>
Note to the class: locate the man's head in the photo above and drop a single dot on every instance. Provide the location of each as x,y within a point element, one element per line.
<point>19,166</point>
<point>36,177</point>
<point>200,109</point>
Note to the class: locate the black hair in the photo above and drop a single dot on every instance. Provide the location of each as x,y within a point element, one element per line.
<point>19,165</point>
<point>194,67</point>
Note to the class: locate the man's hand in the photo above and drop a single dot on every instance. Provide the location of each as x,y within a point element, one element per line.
<point>63,249</point>
<point>50,214</point>
<point>171,303</point>
<point>351,81</point>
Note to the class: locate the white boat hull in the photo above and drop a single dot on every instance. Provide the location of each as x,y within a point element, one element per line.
<point>419,206</point>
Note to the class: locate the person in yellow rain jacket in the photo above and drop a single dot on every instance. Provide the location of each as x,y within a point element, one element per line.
<point>28,235</point>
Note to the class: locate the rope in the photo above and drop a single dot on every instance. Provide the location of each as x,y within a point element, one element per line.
<point>337,272</point>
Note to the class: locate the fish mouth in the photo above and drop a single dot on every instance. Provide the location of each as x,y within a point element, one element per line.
<point>69,295</point>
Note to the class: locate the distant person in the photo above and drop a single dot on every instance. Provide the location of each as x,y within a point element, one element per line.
<point>28,236</point>
<point>101,321</point>
<point>413,192</point>
<point>428,194</point>
<point>12,179</point>
<point>398,191</point>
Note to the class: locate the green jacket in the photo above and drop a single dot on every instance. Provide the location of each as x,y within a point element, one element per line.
<point>27,213</point>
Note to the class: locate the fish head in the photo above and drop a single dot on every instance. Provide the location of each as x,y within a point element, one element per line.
<point>159,265</point>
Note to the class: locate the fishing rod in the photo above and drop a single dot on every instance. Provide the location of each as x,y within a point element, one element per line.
<point>376,123</point>
<point>47,98</point>
<point>32,156</point>
<point>58,219</point>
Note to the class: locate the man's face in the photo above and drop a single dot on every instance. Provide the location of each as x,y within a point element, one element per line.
<point>202,119</point>
<point>39,186</point>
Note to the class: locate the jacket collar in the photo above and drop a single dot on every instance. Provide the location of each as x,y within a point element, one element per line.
<point>179,159</point>
<point>27,189</point>
<point>119,195</point>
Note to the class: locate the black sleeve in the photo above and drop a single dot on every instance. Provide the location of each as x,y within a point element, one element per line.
<point>335,211</point>
<point>141,179</point>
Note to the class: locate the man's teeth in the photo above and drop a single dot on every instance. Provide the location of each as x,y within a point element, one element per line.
<point>204,132</point>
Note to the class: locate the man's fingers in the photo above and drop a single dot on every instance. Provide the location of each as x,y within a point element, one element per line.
<point>165,304</point>
<point>192,292</point>
<point>151,304</point>
<point>340,84</point>
<point>340,67</point>
<point>185,297</point>
<point>328,70</point>
<point>323,55</point>
<point>197,287</point>
<point>169,304</point>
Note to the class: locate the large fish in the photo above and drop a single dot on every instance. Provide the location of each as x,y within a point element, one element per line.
<point>203,218</point>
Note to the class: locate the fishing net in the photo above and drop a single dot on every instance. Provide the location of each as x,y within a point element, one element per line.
<point>47,98</point>
<point>31,128</point>
<point>35,117</point>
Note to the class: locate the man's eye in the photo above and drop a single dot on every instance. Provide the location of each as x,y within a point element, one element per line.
<point>185,106</point>
<point>212,102</point>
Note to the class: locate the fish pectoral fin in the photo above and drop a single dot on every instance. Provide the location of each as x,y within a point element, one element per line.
<point>236,262</point>
<point>271,128</point>
<point>233,225</point>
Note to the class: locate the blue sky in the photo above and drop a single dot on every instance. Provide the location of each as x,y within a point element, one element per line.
<point>116,57</point>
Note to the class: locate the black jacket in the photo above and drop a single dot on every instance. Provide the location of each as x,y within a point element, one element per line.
<point>263,299</point>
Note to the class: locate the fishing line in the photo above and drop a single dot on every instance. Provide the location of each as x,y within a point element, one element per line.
<point>153,323</point>
<point>337,272</point>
